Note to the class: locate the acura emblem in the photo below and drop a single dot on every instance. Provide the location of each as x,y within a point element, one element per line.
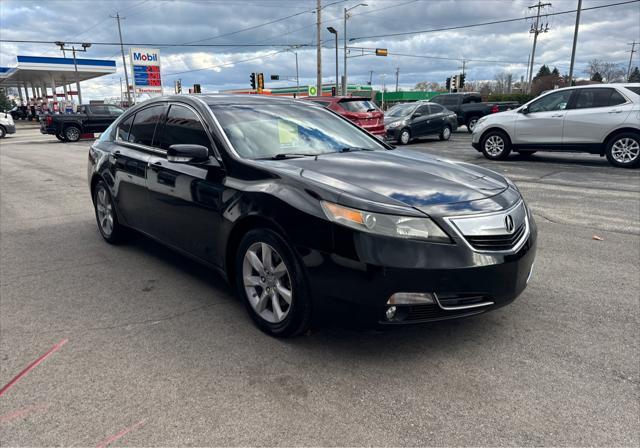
<point>508,223</point>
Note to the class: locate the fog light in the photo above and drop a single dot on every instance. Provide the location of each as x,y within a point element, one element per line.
<point>410,298</point>
<point>391,312</point>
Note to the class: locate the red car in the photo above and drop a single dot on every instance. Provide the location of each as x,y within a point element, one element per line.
<point>361,111</point>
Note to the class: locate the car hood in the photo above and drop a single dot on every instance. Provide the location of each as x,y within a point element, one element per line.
<point>400,178</point>
<point>388,119</point>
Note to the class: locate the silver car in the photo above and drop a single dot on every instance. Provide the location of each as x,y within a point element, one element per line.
<point>599,119</point>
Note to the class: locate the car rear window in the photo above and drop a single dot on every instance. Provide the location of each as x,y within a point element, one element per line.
<point>358,106</point>
<point>144,125</point>
<point>634,89</point>
<point>587,98</point>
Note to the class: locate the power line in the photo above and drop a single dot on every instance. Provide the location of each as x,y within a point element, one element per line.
<point>150,44</point>
<point>494,22</point>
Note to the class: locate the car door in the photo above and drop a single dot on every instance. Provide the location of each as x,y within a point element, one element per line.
<point>543,122</point>
<point>420,124</point>
<point>129,159</point>
<point>436,118</point>
<point>593,113</point>
<point>99,118</point>
<point>185,198</point>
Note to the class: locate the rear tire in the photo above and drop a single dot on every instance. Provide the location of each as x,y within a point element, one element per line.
<point>471,123</point>
<point>272,283</point>
<point>110,229</point>
<point>72,133</point>
<point>495,145</point>
<point>445,134</point>
<point>404,137</point>
<point>3,132</point>
<point>623,150</point>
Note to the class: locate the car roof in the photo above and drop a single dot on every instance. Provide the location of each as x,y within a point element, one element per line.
<point>598,86</point>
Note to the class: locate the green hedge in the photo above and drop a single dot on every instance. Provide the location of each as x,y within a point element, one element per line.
<point>519,97</point>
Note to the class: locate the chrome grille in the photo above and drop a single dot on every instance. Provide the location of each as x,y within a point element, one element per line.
<point>490,232</point>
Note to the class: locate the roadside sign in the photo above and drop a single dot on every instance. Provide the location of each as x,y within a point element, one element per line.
<point>145,64</point>
<point>312,91</point>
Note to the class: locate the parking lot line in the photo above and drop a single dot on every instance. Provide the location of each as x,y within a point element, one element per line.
<point>32,366</point>
<point>122,433</point>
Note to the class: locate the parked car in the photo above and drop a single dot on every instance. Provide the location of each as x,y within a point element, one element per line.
<point>361,111</point>
<point>19,113</point>
<point>404,122</point>
<point>7,126</point>
<point>469,107</point>
<point>91,118</point>
<point>598,119</point>
<point>304,211</point>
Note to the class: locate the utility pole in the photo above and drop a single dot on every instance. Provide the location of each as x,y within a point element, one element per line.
<point>370,77</point>
<point>535,30</point>
<point>464,66</point>
<point>575,41</point>
<point>397,77</point>
<point>383,76</point>
<point>633,50</point>
<point>124,61</point>
<point>344,40</point>
<point>319,48</point>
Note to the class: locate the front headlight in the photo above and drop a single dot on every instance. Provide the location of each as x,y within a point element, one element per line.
<point>395,124</point>
<point>406,227</point>
<point>481,120</point>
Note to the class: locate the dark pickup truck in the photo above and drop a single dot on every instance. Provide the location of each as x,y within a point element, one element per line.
<point>91,118</point>
<point>469,107</point>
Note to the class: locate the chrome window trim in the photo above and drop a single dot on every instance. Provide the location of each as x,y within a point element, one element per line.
<point>140,147</point>
<point>202,122</point>
<point>450,220</point>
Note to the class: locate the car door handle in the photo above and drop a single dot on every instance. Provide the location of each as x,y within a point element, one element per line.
<point>557,116</point>
<point>615,111</point>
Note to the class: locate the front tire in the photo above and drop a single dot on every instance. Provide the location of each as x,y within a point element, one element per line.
<point>272,284</point>
<point>72,133</point>
<point>471,123</point>
<point>3,132</point>
<point>495,145</point>
<point>106,216</point>
<point>404,137</point>
<point>445,134</point>
<point>623,150</point>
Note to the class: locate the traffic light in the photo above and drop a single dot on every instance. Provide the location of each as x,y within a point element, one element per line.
<point>454,83</point>
<point>196,88</point>
<point>333,91</point>
<point>462,76</point>
<point>260,82</point>
<point>178,86</point>
<point>448,84</point>
<point>381,52</point>
<point>252,77</point>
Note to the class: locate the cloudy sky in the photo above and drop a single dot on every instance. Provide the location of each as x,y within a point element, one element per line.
<point>604,34</point>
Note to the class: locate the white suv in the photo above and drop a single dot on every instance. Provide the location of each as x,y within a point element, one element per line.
<point>599,119</point>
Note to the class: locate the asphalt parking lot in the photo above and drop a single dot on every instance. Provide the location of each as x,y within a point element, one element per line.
<point>155,350</point>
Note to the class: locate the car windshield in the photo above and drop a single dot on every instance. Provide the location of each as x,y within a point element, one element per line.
<point>400,110</point>
<point>259,131</point>
<point>358,106</point>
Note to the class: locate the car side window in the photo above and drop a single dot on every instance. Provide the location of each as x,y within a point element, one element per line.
<point>424,110</point>
<point>435,109</point>
<point>551,102</point>
<point>616,98</point>
<point>99,110</point>
<point>122,134</point>
<point>183,127</point>
<point>588,98</point>
<point>113,110</point>
<point>144,125</point>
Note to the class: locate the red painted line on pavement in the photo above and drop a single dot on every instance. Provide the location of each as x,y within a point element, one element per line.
<point>22,412</point>
<point>121,434</point>
<point>32,366</point>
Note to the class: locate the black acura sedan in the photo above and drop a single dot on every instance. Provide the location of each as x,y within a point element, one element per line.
<point>303,211</point>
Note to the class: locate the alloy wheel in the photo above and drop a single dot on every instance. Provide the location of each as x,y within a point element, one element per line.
<point>72,134</point>
<point>472,123</point>
<point>404,137</point>
<point>446,133</point>
<point>494,145</point>
<point>625,150</point>
<point>267,282</point>
<point>104,208</point>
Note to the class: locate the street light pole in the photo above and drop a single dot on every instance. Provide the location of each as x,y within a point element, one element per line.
<point>575,41</point>
<point>318,49</point>
<point>344,40</point>
<point>333,31</point>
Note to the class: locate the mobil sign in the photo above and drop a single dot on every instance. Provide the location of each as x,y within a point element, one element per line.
<point>145,65</point>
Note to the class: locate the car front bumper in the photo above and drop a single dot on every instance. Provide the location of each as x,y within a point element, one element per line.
<point>10,128</point>
<point>367,270</point>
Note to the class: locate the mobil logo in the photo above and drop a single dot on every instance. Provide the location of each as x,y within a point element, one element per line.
<point>145,57</point>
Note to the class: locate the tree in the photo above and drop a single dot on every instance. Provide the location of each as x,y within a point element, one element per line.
<point>596,77</point>
<point>555,71</point>
<point>5,102</point>
<point>544,71</point>
<point>503,81</point>
<point>609,71</point>
<point>635,75</point>
<point>427,86</point>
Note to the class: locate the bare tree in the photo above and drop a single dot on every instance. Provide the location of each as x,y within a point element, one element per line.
<point>427,86</point>
<point>610,71</point>
<point>503,79</point>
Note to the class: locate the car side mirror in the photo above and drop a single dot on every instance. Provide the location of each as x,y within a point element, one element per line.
<point>416,115</point>
<point>524,110</point>
<point>186,153</point>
